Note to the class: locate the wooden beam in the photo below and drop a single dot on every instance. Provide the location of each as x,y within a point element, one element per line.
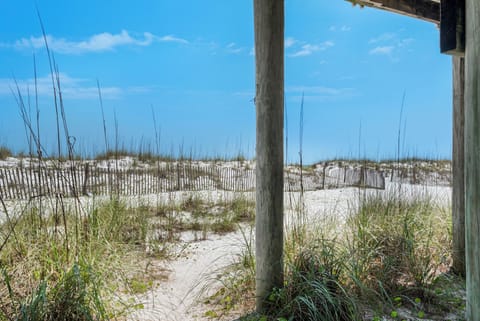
<point>458,168</point>
<point>269,60</point>
<point>428,10</point>
<point>472,158</point>
<point>452,27</point>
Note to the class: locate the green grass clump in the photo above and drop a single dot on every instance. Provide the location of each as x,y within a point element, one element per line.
<point>195,205</point>
<point>74,297</point>
<point>243,209</point>
<point>72,262</point>
<point>313,289</point>
<point>5,152</point>
<point>397,245</point>
<point>390,253</point>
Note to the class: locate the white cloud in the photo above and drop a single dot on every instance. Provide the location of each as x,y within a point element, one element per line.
<point>171,38</point>
<point>308,49</point>
<point>290,41</point>
<point>244,94</point>
<point>72,88</point>
<point>382,50</point>
<point>390,44</point>
<point>343,28</point>
<point>320,93</point>
<point>405,42</point>
<point>97,43</point>
<point>382,38</point>
<point>232,48</point>
<point>315,90</point>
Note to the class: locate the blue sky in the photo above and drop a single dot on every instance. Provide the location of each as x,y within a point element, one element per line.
<point>192,63</point>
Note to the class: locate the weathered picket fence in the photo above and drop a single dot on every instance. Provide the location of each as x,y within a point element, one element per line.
<point>85,179</point>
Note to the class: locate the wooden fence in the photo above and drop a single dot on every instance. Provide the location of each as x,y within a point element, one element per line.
<point>84,179</point>
<point>25,183</point>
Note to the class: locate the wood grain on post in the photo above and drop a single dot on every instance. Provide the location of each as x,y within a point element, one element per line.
<point>458,172</point>
<point>472,158</point>
<point>269,59</point>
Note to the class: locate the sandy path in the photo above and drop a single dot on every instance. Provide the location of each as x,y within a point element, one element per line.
<point>192,278</point>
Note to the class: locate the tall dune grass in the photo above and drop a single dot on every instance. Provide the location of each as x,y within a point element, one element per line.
<point>390,257</point>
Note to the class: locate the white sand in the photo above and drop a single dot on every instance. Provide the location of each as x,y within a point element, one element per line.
<point>193,277</point>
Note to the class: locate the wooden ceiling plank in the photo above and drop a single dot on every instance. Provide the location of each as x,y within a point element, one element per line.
<point>428,10</point>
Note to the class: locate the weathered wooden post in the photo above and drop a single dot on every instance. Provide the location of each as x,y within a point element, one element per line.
<point>452,42</point>
<point>472,159</point>
<point>269,59</point>
<point>458,168</point>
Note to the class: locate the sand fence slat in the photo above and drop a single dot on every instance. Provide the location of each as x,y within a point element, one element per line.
<point>10,183</point>
<point>4,185</point>
<point>34,185</point>
<point>11,186</point>
<point>19,184</point>
<point>7,183</point>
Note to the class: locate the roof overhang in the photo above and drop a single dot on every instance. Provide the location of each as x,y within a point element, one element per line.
<point>428,10</point>
<point>449,15</point>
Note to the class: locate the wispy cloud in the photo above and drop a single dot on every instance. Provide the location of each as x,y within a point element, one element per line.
<point>308,49</point>
<point>170,38</point>
<point>405,42</point>
<point>317,90</point>
<point>290,41</point>
<point>343,28</point>
<point>96,43</point>
<point>382,50</point>
<point>389,44</point>
<point>320,93</point>
<point>249,94</point>
<point>233,48</point>
<point>383,37</point>
<point>72,88</point>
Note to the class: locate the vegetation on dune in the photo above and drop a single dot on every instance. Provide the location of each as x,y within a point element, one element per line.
<point>76,263</point>
<point>5,152</point>
<point>61,264</point>
<point>389,259</point>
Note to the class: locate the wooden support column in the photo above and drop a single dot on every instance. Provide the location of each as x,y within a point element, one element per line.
<point>269,59</point>
<point>472,161</point>
<point>458,169</point>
